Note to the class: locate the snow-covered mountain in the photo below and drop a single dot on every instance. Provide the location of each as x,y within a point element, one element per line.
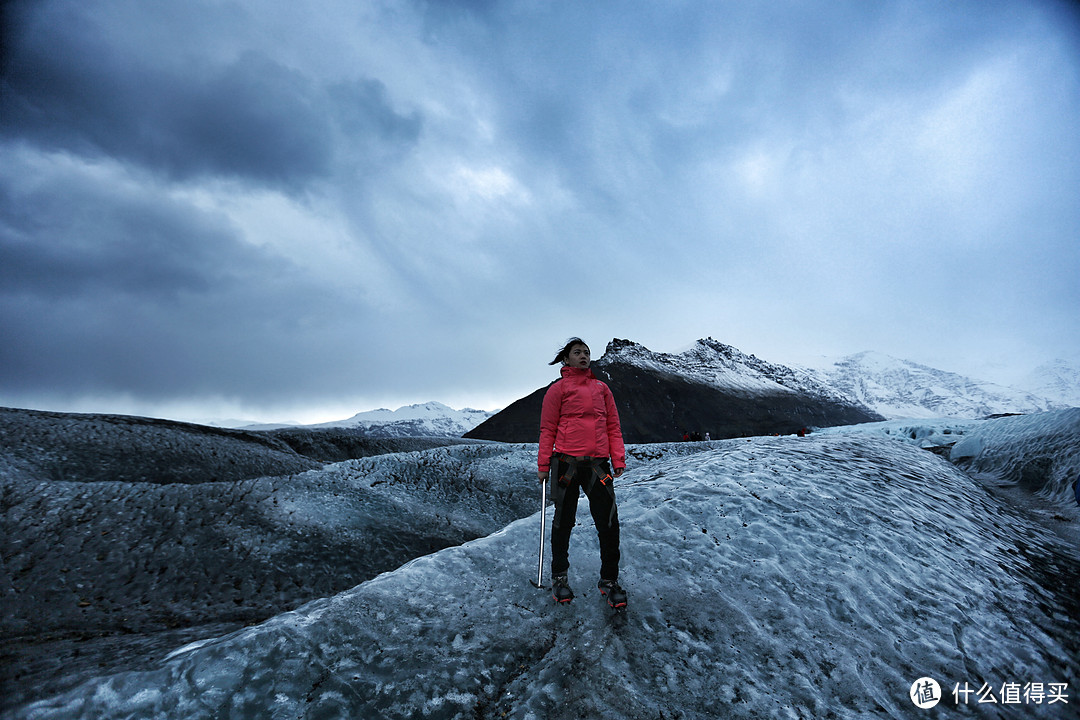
<point>430,419</point>
<point>768,577</point>
<point>1058,380</point>
<point>716,364</point>
<point>711,388</point>
<point>898,388</point>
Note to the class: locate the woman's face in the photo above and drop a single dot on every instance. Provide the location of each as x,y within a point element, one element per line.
<point>577,357</point>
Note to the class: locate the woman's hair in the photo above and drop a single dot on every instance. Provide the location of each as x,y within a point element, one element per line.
<point>565,352</point>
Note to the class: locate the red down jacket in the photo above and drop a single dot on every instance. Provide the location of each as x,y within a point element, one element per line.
<point>579,418</point>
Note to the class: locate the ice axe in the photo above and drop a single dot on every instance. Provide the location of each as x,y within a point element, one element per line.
<point>543,511</point>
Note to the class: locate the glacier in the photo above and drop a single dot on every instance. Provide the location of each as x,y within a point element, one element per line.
<point>1039,452</point>
<point>785,577</point>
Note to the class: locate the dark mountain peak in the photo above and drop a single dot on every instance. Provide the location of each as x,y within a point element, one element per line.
<point>719,348</point>
<point>703,352</point>
<point>711,387</point>
<point>618,348</point>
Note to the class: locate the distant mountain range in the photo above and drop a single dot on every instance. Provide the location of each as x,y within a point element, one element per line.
<point>1058,380</point>
<point>716,388</point>
<point>430,419</point>
<point>903,389</point>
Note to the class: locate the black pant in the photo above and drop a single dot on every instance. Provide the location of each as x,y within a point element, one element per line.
<point>594,477</point>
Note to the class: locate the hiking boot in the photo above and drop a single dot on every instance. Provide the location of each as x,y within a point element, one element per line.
<point>560,589</point>
<point>616,596</point>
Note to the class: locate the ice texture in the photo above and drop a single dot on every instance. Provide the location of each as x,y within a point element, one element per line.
<point>1039,452</point>
<point>780,577</point>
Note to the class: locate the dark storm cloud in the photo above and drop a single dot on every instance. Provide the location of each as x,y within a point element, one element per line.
<point>110,287</point>
<point>66,86</point>
<point>80,240</point>
<point>362,111</point>
<point>263,200</point>
<point>670,84</point>
<point>105,289</point>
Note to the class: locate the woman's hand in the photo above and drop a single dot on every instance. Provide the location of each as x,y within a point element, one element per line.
<point>619,471</point>
<point>542,475</point>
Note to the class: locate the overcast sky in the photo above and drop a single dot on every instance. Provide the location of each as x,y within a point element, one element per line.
<point>296,210</point>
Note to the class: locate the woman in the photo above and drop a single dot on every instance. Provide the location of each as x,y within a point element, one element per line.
<point>580,441</point>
